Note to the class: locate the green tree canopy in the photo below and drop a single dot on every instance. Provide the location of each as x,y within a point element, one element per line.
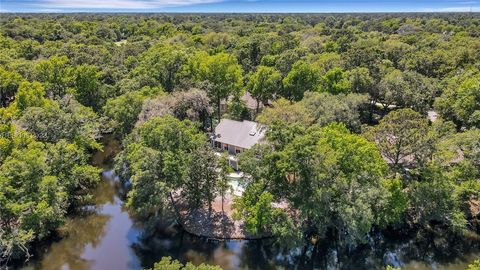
<point>460,103</point>
<point>264,84</point>
<point>301,78</point>
<point>325,179</point>
<point>9,82</point>
<point>168,264</point>
<point>327,108</point>
<point>219,74</point>
<point>155,159</point>
<point>38,183</point>
<point>162,64</point>
<point>193,105</point>
<point>63,119</point>
<point>407,89</point>
<point>56,74</point>
<point>401,136</point>
<point>86,82</point>
<point>335,180</point>
<point>124,109</point>
<point>28,95</point>
<point>335,82</point>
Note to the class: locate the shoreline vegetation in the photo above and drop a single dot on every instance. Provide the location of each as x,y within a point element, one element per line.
<point>372,126</point>
<point>215,224</point>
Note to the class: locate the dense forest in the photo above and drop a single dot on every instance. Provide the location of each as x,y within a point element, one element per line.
<point>373,120</point>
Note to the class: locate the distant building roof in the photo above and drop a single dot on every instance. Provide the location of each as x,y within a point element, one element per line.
<point>250,102</point>
<point>247,98</point>
<point>432,116</point>
<point>243,134</point>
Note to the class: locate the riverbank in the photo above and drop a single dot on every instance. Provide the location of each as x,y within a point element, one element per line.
<point>217,224</point>
<point>106,236</point>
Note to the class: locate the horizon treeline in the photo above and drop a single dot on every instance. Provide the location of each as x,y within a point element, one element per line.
<point>373,119</point>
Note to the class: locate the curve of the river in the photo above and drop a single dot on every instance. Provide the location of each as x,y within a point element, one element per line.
<point>105,236</point>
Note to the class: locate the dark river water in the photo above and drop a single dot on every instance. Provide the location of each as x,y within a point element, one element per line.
<point>105,236</point>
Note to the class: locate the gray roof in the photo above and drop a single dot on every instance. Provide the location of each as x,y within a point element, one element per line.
<point>250,102</point>
<point>243,134</point>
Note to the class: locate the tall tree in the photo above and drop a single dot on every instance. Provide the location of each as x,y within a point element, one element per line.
<point>335,181</point>
<point>285,121</point>
<point>56,74</point>
<point>461,102</point>
<point>400,136</point>
<point>327,108</point>
<point>335,82</point>
<point>407,90</point>
<point>63,119</point>
<point>28,95</point>
<point>162,64</point>
<point>38,183</point>
<point>220,74</point>
<point>264,84</point>
<point>255,208</point>
<point>302,78</point>
<point>155,159</point>
<point>435,187</point>
<point>360,80</point>
<point>286,111</point>
<point>124,109</point>
<point>9,82</point>
<point>193,105</point>
<point>201,182</point>
<point>166,263</point>
<point>86,82</point>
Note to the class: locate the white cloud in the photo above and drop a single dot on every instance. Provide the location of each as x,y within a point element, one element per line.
<point>50,10</point>
<point>468,2</point>
<point>454,9</point>
<point>119,4</point>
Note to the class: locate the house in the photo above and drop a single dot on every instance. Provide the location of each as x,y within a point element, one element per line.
<point>236,136</point>
<point>246,98</point>
<point>251,103</point>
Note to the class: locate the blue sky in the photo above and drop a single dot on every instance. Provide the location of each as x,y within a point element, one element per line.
<point>239,6</point>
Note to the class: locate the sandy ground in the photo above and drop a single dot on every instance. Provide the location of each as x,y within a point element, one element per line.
<point>218,224</point>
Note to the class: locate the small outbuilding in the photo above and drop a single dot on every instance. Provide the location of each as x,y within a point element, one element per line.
<point>248,100</point>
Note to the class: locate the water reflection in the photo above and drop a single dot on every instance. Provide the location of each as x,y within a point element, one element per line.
<point>408,253</point>
<point>66,254</point>
<point>185,247</point>
<point>105,236</point>
<point>98,237</point>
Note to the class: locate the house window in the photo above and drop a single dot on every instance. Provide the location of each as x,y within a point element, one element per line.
<point>238,150</point>
<point>225,147</point>
<point>218,145</point>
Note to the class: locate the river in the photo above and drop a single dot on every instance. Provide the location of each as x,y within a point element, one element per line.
<point>105,236</point>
